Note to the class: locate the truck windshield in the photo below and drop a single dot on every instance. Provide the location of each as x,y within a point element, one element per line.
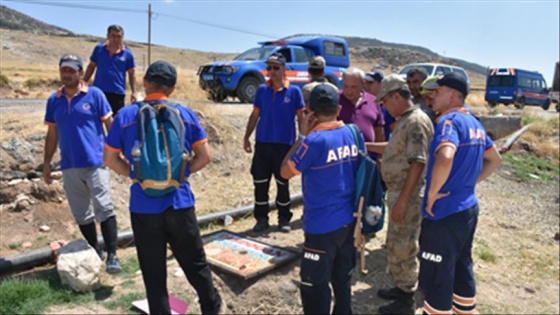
<point>258,53</point>
<point>428,69</point>
<point>500,80</point>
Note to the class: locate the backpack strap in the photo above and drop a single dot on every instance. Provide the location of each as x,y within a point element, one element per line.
<point>357,139</point>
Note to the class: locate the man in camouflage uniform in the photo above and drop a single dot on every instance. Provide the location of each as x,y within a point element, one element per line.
<point>404,159</point>
<point>316,70</point>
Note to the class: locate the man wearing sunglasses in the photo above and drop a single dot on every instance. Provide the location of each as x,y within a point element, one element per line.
<point>276,104</point>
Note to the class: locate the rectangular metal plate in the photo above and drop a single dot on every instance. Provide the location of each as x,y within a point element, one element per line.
<point>243,256</point>
<point>207,77</point>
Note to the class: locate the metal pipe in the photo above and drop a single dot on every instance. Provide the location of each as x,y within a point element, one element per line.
<point>45,255</point>
<point>507,145</point>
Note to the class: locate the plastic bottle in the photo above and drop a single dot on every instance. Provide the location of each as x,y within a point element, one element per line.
<point>373,214</point>
<point>136,153</point>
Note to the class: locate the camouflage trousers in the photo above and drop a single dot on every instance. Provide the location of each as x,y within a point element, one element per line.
<point>402,242</point>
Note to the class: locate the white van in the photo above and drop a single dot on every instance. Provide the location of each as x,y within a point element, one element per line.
<point>435,69</point>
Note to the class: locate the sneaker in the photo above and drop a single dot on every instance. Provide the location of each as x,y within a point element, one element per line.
<point>284,226</point>
<point>261,226</point>
<point>113,264</point>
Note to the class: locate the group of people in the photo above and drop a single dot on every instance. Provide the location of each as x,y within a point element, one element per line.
<point>430,150</point>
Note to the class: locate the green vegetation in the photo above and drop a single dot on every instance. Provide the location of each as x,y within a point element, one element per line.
<point>528,167</point>
<point>124,302</point>
<point>483,251</point>
<point>14,245</point>
<point>19,296</point>
<point>129,266</point>
<point>4,81</point>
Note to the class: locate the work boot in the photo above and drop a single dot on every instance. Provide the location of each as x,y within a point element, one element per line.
<point>284,225</point>
<point>389,294</point>
<point>113,264</point>
<point>262,224</point>
<point>404,304</point>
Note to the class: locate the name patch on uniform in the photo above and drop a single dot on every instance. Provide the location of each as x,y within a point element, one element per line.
<point>431,257</point>
<point>476,134</point>
<point>311,256</point>
<point>341,153</point>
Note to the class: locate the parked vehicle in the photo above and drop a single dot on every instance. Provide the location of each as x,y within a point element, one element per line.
<point>242,76</point>
<point>555,90</point>
<point>520,87</point>
<point>434,69</point>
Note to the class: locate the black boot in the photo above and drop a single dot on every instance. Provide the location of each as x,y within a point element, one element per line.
<point>389,294</point>
<point>404,304</point>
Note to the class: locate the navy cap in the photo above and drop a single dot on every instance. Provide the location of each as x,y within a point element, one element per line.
<point>71,60</point>
<point>374,75</point>
<point>162,72</point>
<point>276,58</point>
<point>324,95</point>
<point>452,80</point>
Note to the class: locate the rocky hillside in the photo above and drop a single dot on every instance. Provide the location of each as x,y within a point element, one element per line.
<point>13,20</point>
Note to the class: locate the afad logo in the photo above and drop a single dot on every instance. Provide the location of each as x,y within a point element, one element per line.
<point>287,99</point>
<point>86,106</point>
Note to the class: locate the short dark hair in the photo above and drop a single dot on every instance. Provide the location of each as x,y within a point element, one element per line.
<point>325,111</point>
<point>115,27</point>
<point>421,71</point>
<point>316,72</point>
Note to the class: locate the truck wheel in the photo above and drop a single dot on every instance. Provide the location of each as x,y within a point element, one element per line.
<point>520,103</point>
<point>491,104</point>
<point>546,105</point>
<point>247,89</point>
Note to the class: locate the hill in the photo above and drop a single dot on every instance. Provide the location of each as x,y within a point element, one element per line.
<point>13,20</point>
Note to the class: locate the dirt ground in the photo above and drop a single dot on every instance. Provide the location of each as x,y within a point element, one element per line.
<point>517,228</point>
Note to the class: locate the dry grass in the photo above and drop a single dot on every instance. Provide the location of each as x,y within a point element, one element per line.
<point>22,123</point>
<point>544,137</point>
<point>476,99</point>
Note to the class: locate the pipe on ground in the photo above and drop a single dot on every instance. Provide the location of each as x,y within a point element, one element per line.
<point>46,254</point>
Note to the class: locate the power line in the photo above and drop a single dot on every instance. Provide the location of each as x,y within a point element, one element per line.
<point>79,6</point>
<point>154,13</point>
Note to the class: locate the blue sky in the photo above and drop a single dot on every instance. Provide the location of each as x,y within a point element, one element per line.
<point>522,34</point>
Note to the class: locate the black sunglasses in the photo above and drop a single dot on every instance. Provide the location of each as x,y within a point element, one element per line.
<point>273,67</point>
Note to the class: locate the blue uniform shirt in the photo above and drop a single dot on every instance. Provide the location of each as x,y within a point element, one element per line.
<point>121,138</point>
<point>277,111</point>
<point>79,121</point>
<point>460,129</point>
<point>110,75</point>
<point>328,161</point>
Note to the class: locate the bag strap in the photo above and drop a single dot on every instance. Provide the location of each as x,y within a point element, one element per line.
<point>357,139</point>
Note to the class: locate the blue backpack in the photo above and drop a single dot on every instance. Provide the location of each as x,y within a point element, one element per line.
<point>368,188</point>
<point>160,158</point>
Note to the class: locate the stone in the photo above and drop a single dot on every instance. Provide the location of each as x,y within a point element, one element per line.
<point>23,204</point>
<point>79,266</point>
<point>14,182</point>
<point>11,175</point>
<point>26,245</point>
<point>178,273</point>
<point>44,228</point>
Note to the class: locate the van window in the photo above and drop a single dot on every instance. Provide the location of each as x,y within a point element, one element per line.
<point>286,53</point>
<point>543,84</point>
<point>301,55</point>
<point>525,82</point>
<point>335,49</point>
<point>442,70</point>
<point>501,80</point>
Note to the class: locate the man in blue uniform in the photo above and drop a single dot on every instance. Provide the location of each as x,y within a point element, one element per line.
<point>461,155</point>
<point>326,155</point>
<point>277,103</point>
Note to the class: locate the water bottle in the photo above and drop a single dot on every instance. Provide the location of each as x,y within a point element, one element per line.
<point>136,153</point>
<point>373,214</point>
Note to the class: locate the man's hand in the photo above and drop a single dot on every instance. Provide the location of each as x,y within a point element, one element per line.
<point>432,198</point>
<point>47,174</point>
<point>247,145</point>
<point>133,98</point>
<point>397,212</point>
<point>308,123</point>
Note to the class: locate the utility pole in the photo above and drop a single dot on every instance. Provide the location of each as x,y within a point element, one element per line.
<point>149,33</point>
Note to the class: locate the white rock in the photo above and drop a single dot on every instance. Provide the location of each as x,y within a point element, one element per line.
<point>14,182</point>
<point>44,228</point>
<point>26,245</point>
<point>79,266</point>
<point>56,175</point>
